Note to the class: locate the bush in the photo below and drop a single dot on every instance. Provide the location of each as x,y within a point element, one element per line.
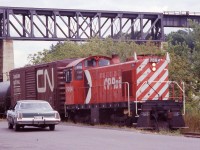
<point>192,117</point>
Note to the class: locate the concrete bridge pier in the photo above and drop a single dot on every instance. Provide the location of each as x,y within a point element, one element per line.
<point>6,59</point>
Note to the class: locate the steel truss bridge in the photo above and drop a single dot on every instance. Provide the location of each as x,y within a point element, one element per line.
<point>80,25</point>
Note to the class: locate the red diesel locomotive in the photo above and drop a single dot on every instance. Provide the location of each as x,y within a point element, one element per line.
<point>101,89</point>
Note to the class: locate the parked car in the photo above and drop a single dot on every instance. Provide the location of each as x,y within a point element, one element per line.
<point>36,113</point>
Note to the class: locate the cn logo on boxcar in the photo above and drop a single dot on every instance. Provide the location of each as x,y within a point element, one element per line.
<point>43,74</point>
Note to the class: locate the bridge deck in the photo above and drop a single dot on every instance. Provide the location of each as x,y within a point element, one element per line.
<point>80,25</point>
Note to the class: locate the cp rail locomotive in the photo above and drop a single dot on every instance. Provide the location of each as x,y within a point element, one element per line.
<point>100,89</point>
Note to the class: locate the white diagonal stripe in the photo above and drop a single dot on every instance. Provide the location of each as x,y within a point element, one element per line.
<point>167,96</point>
<point>89,79</point>
<point>155,87</point>
<point>152,78</point>
<point>143,76</point>
<point>142,65</point>
<point>162,91</point>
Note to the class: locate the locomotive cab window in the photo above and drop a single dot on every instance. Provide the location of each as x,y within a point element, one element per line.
<point>104,62</point>
<point>90,62</point>
<point>78,71</point>
<point>68,75</point>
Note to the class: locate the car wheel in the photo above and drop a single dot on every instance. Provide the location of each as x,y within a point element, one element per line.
<point>10,125</point>
<point>52,127</point>
<point>17,127</point>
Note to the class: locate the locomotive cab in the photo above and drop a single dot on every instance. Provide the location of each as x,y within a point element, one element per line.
<point>77,88</point>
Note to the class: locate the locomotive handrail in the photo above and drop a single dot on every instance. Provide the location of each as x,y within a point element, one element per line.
<point>136,102</point>
<point>128,93</point>
<point>182,89</point>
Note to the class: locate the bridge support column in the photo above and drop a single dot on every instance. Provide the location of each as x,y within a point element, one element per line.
<point>6,59</point>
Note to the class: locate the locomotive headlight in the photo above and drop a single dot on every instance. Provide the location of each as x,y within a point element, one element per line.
<point>153,64</point>
<point>153,68</point>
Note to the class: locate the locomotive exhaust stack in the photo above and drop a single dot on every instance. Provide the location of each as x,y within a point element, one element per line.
<point>115,59</point>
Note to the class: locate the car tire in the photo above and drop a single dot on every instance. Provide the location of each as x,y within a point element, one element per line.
<point>52,127</point>
<point>10,125</point>
<point>16,127</point>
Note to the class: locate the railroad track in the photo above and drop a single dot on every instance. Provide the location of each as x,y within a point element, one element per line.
<point>191,134</point>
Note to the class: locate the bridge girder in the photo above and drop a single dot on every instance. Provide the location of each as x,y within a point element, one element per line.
<point>81,25</point>
<point>78,25</point>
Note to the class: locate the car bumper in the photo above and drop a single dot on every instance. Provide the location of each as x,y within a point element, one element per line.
<point>31,121</point>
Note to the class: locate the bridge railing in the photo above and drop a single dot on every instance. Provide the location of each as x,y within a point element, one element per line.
<point>181,13</point>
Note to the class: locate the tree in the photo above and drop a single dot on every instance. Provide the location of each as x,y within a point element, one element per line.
<point>94,46</point>
<point>181,37</point>
<point>180,67</point>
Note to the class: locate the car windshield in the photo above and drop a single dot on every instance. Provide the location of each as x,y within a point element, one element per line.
<point>34,105</point>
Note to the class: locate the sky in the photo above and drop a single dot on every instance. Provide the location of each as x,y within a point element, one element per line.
<point>23,48</point>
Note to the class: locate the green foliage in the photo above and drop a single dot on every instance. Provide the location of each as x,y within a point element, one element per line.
<point>94,46</point>
<point>196,55</point>
<point>184,48</point>
<point>196,35</point>
<point>180,67</point>
<point>192,116</point>
<point>181,37</point>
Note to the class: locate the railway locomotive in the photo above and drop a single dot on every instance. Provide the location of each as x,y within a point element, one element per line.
<point>100,89</point>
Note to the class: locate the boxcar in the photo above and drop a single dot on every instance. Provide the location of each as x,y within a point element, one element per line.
<point>44,82</point>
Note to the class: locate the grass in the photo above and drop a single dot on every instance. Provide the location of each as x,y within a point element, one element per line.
<point>192,120</point>
<point>124,128</point>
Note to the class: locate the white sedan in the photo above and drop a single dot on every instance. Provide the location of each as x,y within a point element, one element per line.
<point>36,113</point>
